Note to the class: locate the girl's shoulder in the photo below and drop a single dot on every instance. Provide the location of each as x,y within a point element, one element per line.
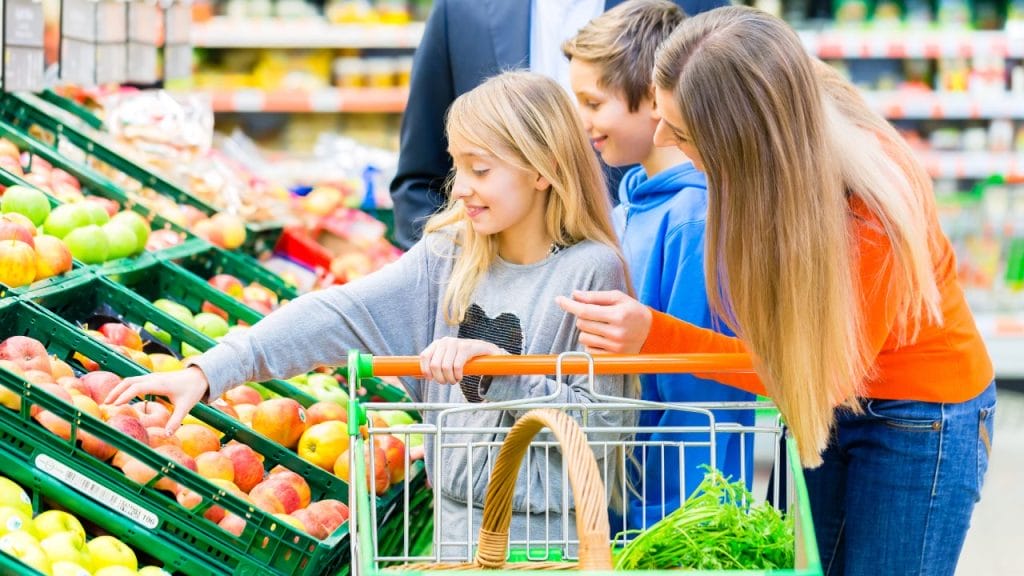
<point>591,255</point>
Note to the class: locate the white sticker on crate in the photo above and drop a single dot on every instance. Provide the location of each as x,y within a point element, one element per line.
<point>97,492</point>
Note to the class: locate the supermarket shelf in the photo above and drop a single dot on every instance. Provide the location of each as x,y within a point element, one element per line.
<point>900,44</point>
<point>355,100</point>
<point>973,165</point>
<point>920,105</point>
<point>306,33</point>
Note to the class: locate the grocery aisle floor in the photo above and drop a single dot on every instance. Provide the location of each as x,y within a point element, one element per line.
<point>993,545</point>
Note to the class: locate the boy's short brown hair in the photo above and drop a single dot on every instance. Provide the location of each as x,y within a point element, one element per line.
<point>622,42</point>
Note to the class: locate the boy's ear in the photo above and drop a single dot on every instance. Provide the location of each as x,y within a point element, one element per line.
<point>653,104</point>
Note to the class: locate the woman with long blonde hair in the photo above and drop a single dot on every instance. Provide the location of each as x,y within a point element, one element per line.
<point>825,256</point>
<point>528,220</point>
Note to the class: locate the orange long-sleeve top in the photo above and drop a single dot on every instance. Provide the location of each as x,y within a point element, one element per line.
<point>947,362</point>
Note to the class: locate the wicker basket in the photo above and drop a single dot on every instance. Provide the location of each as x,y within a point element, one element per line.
<point>588,488</point>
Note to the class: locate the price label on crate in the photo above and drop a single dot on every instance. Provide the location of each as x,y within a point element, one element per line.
<point>96,491</point>
<point>23,61</point>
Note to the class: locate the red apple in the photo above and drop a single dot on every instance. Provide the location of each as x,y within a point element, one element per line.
<point>328,515</point>
<point>394,452</point>
<point>311,523</point>
<point>278,492</point>
<point>247,464</point>
<point>281,419</point>
<point>73,386</point>
<point>224,407</point>
<point>110,410</point>
<point>96,447</point>
<point>100,383</point>
<point>161,239</point>
<point>228,284</point>
<point>197,438</point>
<point>379,476</point>
<point>120,335</point>
<point>27,353</point>
<point>298,483</point>
<point>58,176</point>
<point>325,412</point>
<point>245,412</point>
<point>129,426</point>
<point>189,500</point>
<point>158,436</point>
<point>59,369</point>
<point>242,395</point>
<point>38,377</point>
<point>13,229</point>
<point>232,524</point>
<point>52,256</point>
<point>152,414</point>
<point>215,465</point>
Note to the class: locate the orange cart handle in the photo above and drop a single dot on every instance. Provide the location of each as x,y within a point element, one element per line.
<point>511,365</point>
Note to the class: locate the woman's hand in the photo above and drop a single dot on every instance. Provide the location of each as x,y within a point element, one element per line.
<point>444,359</point>
<point>184,388</point>
<point>610,322</point>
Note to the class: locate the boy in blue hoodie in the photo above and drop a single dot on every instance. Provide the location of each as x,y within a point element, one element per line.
<point>660,221</point>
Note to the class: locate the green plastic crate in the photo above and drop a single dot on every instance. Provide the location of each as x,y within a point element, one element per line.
<point>43,482</point>
<point>86,116</point>
<point>267,546</point>
<point>214,261</point>
<point>32,114</point>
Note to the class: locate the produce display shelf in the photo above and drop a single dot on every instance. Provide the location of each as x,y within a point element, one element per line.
<point>326,100</point>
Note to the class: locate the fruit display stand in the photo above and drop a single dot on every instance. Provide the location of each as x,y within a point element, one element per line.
<point>213,261</point>
<point>266,545</point>
<point>52,125</point>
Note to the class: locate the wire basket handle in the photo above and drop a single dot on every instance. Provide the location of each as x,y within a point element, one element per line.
<point>591,513</point>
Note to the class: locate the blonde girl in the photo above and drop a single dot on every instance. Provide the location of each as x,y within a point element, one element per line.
<point>825,256</point>
<point>528,221</point>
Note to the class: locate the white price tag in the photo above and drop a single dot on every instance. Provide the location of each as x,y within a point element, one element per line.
<point>97,492</point>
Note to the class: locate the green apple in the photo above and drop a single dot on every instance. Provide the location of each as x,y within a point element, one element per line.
<point>97,213</point>
<point>13,519</point>
<point>56,521</point>
<point>88,243</point>
<point>121,240</point>
<point>24,547</point>
<point>66,547</point>
<point>138,225</point>
<point>212,325</point>
<point>187,350</point>
<point>157,332</point>
<point>109,551</point>
<point>179,312</point>
<point>65,218</point>
<point>153,571</point>
<point>300,380</point>
<point>396,418</point>
<point>65,568</point>
<point>28,202</point>
<point>11,494</point>
<point>326,389</point>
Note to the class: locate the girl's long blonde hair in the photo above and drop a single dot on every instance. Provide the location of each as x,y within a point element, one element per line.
<point>528,121</point>
<point>786,144</point>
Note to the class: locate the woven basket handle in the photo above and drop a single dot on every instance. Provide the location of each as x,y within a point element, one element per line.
<point>588,489</point>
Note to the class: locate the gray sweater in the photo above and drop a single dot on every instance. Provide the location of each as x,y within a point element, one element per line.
<point>399,311</point>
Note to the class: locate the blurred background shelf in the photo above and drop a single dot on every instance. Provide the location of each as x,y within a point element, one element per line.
<point>326,100</point>
<point>224,32</point>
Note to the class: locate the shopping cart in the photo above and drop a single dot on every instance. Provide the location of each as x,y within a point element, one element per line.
<point>554,538</point>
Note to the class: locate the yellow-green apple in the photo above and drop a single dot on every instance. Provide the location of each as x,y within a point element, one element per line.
<point>121,240</point>
<point>211,324</point>
<point>87,363</point>
<point>14,519</point>
<point>109,551</point>
<point>120,335</point>
<point>281,419</point>
<point>325,412</point>
<point>394,453</point>
<point>196,439</point>
<point>152,571</point>
<point>165,363</point>
<point>24,547</point>
<point>109,206</point>
<point>27,353</point>
<point>215,465</point>
<point>243,394</point>
<point>129,426</point>
<point>158,436</point>
<point>139,357</point>
<point>100,383</point>
<point>52,257</point>
<point>232,524</point>
<point>14,496</point>
<point>228,284</point>
<point>9,149</point>
<point>98,215</point>
<point>65,568</point>
<point>247,464</point>
<point>28,202</point>
<point>86,405</point>
<point>88,244</point>
<point>17,263</point>
<point>152,414</point>
<point>277,490</point>
<point>8,397</point>
<point>322,443</point>
<point>115,571</point>
<point>66,547</point>
<point>281,474</point>
<point>52,522</point>
<point>137,224</point>
<point>228,231</point>
<point>291,521</point>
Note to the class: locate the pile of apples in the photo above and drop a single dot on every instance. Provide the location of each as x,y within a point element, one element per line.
<point>319,434</point>
<point>234,467</point>
<point>254,295</point>
<point>128,341</point>
<point>26,255</point>
<point>55,543</point>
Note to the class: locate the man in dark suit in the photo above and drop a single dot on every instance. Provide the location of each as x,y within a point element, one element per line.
<point>465,42</point>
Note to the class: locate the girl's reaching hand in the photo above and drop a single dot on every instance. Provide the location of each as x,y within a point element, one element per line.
<point>444,359</point>
<point>184,388</point>
<point>610,322</point>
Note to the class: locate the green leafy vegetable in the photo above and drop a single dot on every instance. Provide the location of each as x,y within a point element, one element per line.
<point>715,528</point>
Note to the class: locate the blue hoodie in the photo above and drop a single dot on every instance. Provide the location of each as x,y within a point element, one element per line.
<point>660,222</point>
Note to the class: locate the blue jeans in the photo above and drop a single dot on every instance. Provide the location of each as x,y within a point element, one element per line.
<point>898,486</point>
